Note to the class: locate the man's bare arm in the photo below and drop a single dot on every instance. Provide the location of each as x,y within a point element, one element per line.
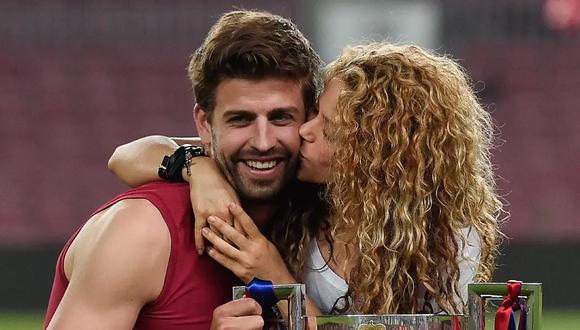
<point>136,162</point>
<point>110,278</point>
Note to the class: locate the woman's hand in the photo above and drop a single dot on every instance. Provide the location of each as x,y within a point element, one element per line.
<point>249,255</point>
<point>210,194</point>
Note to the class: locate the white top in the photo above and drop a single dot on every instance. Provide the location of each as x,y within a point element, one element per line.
<point>325,287</point>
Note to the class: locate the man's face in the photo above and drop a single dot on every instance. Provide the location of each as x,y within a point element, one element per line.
<point>254,134</point>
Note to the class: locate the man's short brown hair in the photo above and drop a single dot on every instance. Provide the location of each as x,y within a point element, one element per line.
<point>253,45</point>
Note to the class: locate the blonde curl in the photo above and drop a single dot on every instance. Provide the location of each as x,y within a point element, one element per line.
<point>412,168</point>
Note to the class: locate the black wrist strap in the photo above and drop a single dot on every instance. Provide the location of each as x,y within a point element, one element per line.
<point>171,166</point>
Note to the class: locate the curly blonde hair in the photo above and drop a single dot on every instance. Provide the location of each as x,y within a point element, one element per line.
<point>412,168</point>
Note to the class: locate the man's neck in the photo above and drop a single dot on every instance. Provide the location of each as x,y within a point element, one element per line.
<point>261,212</point>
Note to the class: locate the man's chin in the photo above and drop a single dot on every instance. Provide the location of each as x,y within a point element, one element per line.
<point>259,195</point>
<point>253,187</point>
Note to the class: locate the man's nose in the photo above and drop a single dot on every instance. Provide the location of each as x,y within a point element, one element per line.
<point>264,137</point>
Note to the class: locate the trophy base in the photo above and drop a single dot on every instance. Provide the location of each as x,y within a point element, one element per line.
<point>391,322</point>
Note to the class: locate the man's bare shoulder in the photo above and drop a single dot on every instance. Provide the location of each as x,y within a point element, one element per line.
<point>129,241</point>
<point>115,266</point>
<point>138,218</point>
<point>137,221</point>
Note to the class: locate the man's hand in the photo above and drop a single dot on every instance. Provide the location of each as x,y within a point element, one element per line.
<point>243,314</point>
<point>210,194</point>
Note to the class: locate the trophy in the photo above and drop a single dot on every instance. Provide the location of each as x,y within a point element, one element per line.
<point>483,300</point>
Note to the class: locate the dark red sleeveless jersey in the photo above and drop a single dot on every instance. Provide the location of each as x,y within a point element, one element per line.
<point>194,285</point>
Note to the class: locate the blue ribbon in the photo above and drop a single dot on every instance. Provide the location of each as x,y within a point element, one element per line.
<point>263,292</point>
<point>523,322</point>
<point>523,325</point>
<point>512,324</point>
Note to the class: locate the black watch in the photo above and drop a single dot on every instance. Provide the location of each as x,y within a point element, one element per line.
<point>171,166</point>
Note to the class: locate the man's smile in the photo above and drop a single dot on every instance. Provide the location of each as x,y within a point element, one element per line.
<point>261,165</point>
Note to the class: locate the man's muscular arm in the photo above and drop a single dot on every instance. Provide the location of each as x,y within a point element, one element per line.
<point>136,162</point>
<point>115,266</point>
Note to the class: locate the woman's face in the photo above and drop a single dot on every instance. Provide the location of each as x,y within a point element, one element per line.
<point>316,151</point>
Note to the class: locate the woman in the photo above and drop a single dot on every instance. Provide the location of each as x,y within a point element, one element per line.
<point>402,147</point>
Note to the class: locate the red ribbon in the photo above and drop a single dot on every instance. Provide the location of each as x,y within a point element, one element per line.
<point>510,304</point>
<point>456,325</point>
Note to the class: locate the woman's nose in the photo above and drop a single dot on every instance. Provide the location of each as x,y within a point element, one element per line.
<point>305,130</point>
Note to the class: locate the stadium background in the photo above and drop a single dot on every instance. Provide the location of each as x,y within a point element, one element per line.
<point>78,78</point>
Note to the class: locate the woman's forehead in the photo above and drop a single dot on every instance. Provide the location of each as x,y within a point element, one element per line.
<point>329,96</point>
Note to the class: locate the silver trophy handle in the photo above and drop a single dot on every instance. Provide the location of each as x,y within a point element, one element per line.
<point>294,293</point>
<point>480,293</point>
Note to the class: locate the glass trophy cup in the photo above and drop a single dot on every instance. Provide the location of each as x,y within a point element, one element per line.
<point>482,304</point>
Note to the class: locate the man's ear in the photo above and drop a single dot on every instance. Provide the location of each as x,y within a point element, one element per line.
<point>202,125</point>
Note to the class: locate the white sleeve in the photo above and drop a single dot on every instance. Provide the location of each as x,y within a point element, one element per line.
<point>468,261</point>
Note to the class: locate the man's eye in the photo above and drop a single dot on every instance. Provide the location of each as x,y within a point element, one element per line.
<point>281,118</point>
<point>238,120</point>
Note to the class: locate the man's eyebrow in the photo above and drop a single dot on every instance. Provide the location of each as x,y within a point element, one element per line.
<point>237,112</point>
<point>292,110</point>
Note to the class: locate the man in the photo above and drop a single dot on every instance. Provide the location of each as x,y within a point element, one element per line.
<point>132,264</point>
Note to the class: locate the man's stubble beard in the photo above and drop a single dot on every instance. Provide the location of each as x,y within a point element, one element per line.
<point>251,190</point>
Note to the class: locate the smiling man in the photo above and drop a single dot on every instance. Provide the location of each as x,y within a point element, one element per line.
<point>253,133</point>
<point>133,265</point>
